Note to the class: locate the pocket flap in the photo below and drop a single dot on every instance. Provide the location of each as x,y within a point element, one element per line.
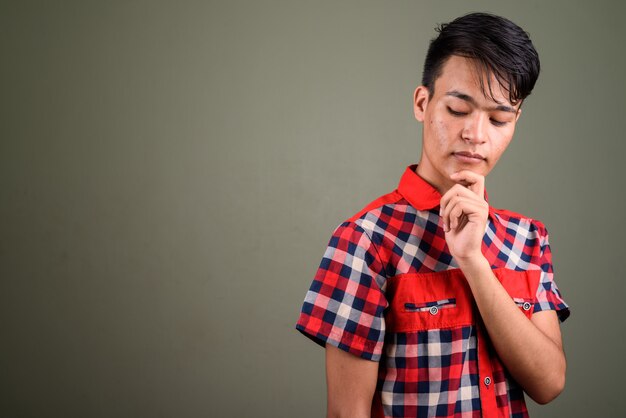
<point>443,300</point>
<point>521,286</point>
<point>423,301</point>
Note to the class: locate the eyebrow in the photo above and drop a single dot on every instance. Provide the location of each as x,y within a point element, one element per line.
<point>471,100</point>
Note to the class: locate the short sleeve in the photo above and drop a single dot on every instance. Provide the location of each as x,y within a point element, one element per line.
<point>548,294</point>
<point>345,304</point>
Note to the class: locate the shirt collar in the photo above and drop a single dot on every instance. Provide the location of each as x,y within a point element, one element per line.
<point>419,193</point>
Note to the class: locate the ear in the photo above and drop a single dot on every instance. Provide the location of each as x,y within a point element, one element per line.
<point>420,102</point>
<point>519,113</point>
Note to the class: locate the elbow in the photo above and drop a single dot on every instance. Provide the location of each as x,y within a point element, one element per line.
<point>549,394</point>
<point>551,389</point>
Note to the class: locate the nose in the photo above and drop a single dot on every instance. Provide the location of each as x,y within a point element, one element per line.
<point>475,127</point>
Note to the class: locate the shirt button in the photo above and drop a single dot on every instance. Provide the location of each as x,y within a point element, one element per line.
<point>526,306</point>
<point>487,381</point>
<point>433,310</point>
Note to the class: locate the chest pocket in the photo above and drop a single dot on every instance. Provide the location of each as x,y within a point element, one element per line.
<point>443,300</point>
<point>521,286</point>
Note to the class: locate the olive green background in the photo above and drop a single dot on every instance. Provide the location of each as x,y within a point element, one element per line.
<point>171,172</point>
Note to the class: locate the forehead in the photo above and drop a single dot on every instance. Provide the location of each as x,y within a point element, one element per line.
<point>467,76</point>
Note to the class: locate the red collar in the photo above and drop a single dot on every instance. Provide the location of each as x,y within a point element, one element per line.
<point>419,193</point>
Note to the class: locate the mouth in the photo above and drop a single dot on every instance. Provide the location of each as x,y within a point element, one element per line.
<point>468,157</point>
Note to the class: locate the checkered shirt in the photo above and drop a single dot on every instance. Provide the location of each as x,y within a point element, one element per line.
<point>388,290</point>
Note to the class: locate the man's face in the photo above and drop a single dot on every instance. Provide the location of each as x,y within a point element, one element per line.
<point>463,129</point>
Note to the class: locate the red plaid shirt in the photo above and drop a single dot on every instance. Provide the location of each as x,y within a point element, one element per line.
<point>388,290</point>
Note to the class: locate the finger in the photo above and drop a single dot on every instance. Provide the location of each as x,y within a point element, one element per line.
<point>458,190</point>
<point>448,213</point>
<point>462,222</point>
<point>460,208</point>
<point>473,181</point>
<point>461,213</point>
<point>455,216</point>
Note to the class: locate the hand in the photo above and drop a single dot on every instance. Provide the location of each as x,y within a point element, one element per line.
<point>464,213</point>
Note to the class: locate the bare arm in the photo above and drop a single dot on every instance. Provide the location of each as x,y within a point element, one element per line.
<point>531,350</point>
<point>351,382</point>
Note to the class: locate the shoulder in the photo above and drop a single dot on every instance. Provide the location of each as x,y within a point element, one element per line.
<point>385,216</point>
<point>518,222</point>
<point>373,219</point>
<point>375,206</point>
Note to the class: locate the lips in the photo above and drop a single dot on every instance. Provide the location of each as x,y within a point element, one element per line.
<point>467,154</point>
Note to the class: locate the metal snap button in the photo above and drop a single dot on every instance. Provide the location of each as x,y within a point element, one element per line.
<point>433,310</point>
<point>526,306</point>
<point>487,381</point>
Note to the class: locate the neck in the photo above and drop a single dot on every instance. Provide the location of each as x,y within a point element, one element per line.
<point>441,184</point>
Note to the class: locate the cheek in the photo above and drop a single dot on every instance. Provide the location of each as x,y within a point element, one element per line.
<point>499,147</point>
<point>441,133</point>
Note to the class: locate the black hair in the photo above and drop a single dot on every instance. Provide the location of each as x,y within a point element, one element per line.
<point>497,45</point>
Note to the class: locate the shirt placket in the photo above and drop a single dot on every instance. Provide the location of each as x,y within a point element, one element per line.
<point>488,404</point>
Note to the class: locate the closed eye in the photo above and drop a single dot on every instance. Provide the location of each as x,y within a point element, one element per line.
<point>495,122</point>
<point>456,113</point>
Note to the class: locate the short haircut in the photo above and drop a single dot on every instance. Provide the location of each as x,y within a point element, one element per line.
<point>497,45</point>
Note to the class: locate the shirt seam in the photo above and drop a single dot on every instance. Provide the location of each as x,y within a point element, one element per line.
<point>386,276</point>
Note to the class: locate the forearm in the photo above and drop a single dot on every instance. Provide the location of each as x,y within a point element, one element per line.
<point>534,358</point>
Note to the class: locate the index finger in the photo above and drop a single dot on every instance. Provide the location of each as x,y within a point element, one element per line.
<point>473,181</point>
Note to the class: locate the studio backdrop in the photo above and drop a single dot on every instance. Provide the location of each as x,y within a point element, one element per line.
<point>171,172</point>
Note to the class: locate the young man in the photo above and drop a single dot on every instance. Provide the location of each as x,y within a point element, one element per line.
<point>429,301</point>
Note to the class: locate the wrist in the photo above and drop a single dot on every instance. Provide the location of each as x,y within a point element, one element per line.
<point>473,264</point>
